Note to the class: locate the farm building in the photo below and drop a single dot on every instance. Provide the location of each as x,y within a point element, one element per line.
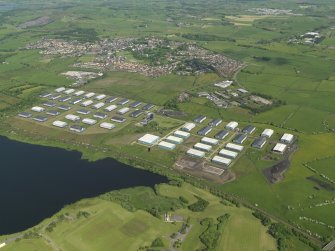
<point>232,125</point>
<point>287,138</point>
<point>64,99</point>
<point>221,160</point>
<point>188,127</point>
<point>55,96</point>
<point>123,110</point>
<point>215,122</point>
<point>24,114</point>
<point>182,134</point>
<point>148,139</point>
<point>279,148</point>
<point>64,107</point>
<point>202,147</point>
<point>78,93</point>
<point>45,95</point>
<point>240,138</point>
<point>53,113</point>
<point>234,147</point>
<point>148,107</point>
<point>75,101</point>
<point>59,123</point>
<point>72,117</point>
<point>69,91</point>
<point>135,104</point>
<point>89,121</point>
<point>249,129</point>
<point>100,115</point>
<point>60,89</point>
<point>222,134</point>
<point>110,99</point>
<point>49,104</point>
<point>98,105</point>
<point>37,109</point>
<point>106,125</point>
<point>204,131</point>
<point>136,113</point>
<point>259,142</point>
<point>228,154</point>
<point>123,101</point>
<point>118,119</point>
<point>77,128</point>
<point>174,140</point>
<point>89,95</point>
<point>166,145</point>
<point>199,119</point>
<point>84,111</point>
<point>195,153</point>
<point>267,133</point>
<point>100,97</point>
<point>209,141</point>
<point>87,103</point>
<point>40,118</point>
<point>110,108</point>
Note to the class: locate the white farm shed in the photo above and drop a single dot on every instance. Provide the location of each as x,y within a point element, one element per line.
<point>72,117</point>
<point>287,138</point>
<point>87,103</point>
<point>89,121</point>
<point>209,141</point>
<point>279,148</point>
<point>60,89</point>
<point>174,140</point>
<point>37,109</point>
<point>182,134</point>
<point>234,147</point>
<point>89,95</point>
<point>203,147</point>
<point>221,160</point>
<point>69,91</point>
<point>195,153</point>
<point>148,139</point>
<point>98,105</point>
<point>106,125</point>
<point>110,108</point>
<point>228,154</point>
<point>188,127</point>
<point>232,125</point>
<point>78,93</point>
<point>59,123</point>
<point>267,133</point>
<point>166,145</point>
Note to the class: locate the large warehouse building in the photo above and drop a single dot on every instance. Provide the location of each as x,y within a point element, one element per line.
<point>279,148</point>
<point>148,139</point>
<point>166,145</point>
<point>196,153</point>
<point>287,138</point>
<point>221,160</point>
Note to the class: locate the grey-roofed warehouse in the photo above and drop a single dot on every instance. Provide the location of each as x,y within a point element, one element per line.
<point>64,107</point>
<point>222,134</point>
<point>100,115</point>
<point>240,138</point>
<point>83,111</point>
<point>110,99</point>
<point>136,113</point>
<point>249,129</point>
<point>53,113</point>
<point>25,114</point>
<point>204,131</point>
<point>215,122</point>
<point>118,119</point>
<point>200,119</point>
<point>259,142</point>
<point>135,104</point>
<point>49,104</point>
<point>40,118</point>
<point>77,128</point>
<point>123,101</point>
<point>148,107</point>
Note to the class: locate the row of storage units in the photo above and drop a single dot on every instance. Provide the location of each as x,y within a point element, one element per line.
<point>178,137</point>
<point>79,128</point>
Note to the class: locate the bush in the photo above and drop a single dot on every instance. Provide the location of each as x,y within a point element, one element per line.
<point>158,242</point>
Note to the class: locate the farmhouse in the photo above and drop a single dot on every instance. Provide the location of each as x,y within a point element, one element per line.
<point>228,154</point>
<point>202,147</point>
<point>182,134</point>
<point>100,115</point>
<point>222,134</point>
<point>87,103</point>
<point>234,147</point>
<point>221,160</point>
<point>25,115</point>
<point>49,104</point>
<point>240,138</point>
<point>89,121</point>
<point>100,97</point>
<point>249,129</point>
<point>123,101</point>
<point>84,111</point>
<point>53,113</point>
<point>72,117</point>
<point>110,99</point>
<point>287,138</point>
<point>215,122</point>
<point>110,108</point>
<point>259,142</point>
<point>279,148</point>
<point>204,131</point>
<point>89,95</point>
<point>232,125</point>
<point>123,110</point>
<point>37,109</point>
<point>174,140</point>
<point>136,113</point>
<point>77,128</point>
<point>199,119</point>
<point>118,119</point>
<point>64,107</point>
<point>98,105</point>
<point>267,133</point>
<point>59,123</point>
<point>106,125</point>
<point>195,153</point>
<point>148,107</point>
<point>188,127</point>
<point>209,141</point>
<point>166,145</point>
<point>135,104</point>
<point>148,139</point>
<point>40,118</point>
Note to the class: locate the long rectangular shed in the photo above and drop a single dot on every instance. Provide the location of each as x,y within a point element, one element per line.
<point>202,147</point>
<point>196,153</point>
<point>227,153</point>
<point>221,160</point>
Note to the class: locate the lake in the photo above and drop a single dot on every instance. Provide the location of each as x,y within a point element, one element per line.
<point>37,181</point>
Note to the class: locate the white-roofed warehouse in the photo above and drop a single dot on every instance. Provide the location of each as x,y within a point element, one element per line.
<point>209,141</point>
<point>166,145</point>
<point>234,147</point>
<point>182,134</point>
<point>188,127</point>
<point>279,148</point>
<point>287,138</point>
<point>148,139</point>
<point>59,123</point>
<point>107,125</point>
<point>232,125</point>
<point>267,133</point>
<point>221,160</point>
<point>174,140</point>
<point>228,154</point>
<point>196,153</point>
<point>203,147</point>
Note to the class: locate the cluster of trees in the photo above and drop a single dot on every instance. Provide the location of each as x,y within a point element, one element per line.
<point>207,37</point>
<point>266,221</point>
<point>198,206</point>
